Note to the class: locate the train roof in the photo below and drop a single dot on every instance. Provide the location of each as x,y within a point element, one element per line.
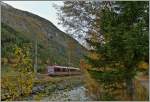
<point>66,67</point>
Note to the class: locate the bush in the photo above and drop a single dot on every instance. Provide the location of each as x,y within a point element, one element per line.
<point>21,82</point>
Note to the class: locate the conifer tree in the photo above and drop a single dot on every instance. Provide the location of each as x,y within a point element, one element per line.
<point>125,32</point>
<point>118,37</point>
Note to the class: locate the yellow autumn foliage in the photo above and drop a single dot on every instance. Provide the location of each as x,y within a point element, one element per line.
<point>94,56</point>
<point>20,82</point>
<point>141,93</point>
<point>143,65</point>
<point>4,60</point>
<point>90,83</point>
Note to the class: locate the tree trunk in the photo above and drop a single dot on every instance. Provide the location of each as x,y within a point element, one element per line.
<point>130,88</point>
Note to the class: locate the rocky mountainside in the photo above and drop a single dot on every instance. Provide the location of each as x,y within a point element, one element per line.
<point>52,43</point>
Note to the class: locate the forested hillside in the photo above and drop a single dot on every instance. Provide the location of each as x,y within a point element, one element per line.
<point>19,27</point>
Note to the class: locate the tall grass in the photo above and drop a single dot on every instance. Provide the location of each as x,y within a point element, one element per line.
<point>96,92</point>
<point>141,93</point>
<point>93,88</point>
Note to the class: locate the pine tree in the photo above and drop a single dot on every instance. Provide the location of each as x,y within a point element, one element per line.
<point>118,38</point>
<point>125,33</point>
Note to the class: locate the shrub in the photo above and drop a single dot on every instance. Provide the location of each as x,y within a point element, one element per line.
<point>21,83</point>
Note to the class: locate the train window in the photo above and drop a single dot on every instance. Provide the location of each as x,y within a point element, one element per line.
<point>77,70</point>
<point>72,70</point>
<point>61,69</point>
<point>64,70</point>
<point>57,69</point>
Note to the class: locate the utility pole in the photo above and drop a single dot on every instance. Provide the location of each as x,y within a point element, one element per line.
<point>35,48</point>
<point>35,56</point>
<point>69,55</point>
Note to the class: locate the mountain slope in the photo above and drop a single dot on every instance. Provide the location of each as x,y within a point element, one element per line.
<point>52,43</point>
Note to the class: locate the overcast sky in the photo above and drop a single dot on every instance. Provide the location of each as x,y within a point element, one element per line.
<point>44,9</point>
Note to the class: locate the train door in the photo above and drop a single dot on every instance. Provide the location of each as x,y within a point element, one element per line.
<point>50,70</point>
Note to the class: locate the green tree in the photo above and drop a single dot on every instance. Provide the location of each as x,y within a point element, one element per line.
<point>78,16</point>
<point>125,32</point>
<point>117,32</point>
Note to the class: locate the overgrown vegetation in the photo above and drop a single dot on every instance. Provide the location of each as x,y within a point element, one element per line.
<point>93,87</point>
<point>117,35</point>
<point>21,81</point>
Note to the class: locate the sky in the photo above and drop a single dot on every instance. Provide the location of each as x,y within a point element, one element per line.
<point>44,9</point>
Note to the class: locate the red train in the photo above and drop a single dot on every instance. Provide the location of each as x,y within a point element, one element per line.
<point>61,70</point>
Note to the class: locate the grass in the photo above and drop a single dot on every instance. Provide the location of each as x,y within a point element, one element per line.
<point>141,93</point>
